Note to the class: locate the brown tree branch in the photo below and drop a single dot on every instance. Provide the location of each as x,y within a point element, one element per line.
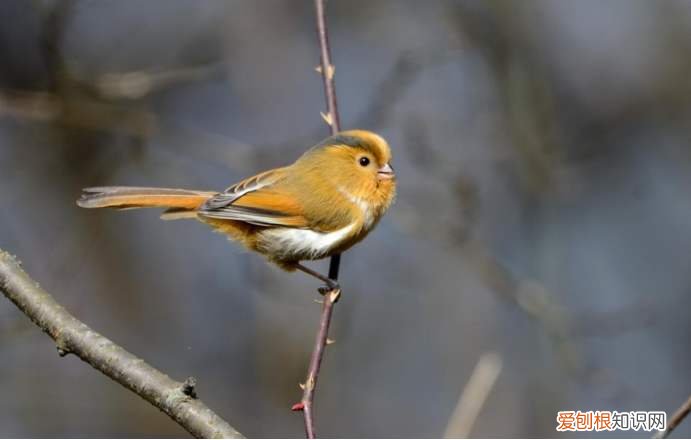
<point>676,419</point>
<point>306,404</point>
<point>177,400</point>
<point>327,71</point>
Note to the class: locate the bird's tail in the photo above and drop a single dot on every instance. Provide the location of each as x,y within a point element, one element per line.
<point>179,203</point>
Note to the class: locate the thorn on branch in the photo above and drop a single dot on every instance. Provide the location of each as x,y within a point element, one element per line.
<point>327,118</point>
<point>330,71</point>
<point>298,407</point>
<point>309,385</point>
<point>189,387</point>
<point>61,346</point>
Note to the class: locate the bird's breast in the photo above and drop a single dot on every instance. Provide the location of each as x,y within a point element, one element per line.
<point>362,205</point>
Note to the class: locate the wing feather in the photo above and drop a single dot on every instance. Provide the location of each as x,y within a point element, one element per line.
<point>258,200</point>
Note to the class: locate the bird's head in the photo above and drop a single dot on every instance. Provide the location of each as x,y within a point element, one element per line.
<point>358,160</point>
<point>354,163</point>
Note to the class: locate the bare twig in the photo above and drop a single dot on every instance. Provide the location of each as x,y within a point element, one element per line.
<point>177,400</point>
<point>306,404</point>
<point>474,396</point>
<point>327,70</point>
<point>676,419</point>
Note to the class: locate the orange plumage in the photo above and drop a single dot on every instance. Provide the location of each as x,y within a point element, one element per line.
<point>324,203</point>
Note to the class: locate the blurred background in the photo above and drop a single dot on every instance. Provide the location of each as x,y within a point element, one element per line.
<point>544,210</point>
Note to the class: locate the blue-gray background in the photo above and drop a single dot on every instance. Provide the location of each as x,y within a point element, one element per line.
<point>544,209</point>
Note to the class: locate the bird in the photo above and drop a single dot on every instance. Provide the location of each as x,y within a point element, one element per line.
<point>322,204</point>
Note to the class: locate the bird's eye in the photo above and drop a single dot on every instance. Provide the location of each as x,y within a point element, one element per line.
<point>364,161</point>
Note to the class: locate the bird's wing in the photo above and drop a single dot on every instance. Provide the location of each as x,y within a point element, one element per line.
<point>259,200</point>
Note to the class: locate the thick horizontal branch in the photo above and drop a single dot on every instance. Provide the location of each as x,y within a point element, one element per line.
<point>176,399</point>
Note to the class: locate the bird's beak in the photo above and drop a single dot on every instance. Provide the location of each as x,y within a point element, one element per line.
<point>386,172</point>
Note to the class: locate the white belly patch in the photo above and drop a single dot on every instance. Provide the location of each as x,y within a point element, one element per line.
<point>302,244</point>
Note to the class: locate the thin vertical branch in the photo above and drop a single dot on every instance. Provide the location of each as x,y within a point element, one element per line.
<point>306,405</point>
<point>676,419</point>
<point>327,71</point>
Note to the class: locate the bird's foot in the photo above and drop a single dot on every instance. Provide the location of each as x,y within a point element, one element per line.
<point>331,285</point>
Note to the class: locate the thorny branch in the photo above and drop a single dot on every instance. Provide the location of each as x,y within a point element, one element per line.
<point>327,71</point>
<point>177,400</point>
<point>306,404</point>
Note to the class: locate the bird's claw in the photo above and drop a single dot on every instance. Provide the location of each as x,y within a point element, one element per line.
<point>330,286</point>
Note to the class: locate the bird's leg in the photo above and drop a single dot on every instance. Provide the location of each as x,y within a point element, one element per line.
<point>330,284</point>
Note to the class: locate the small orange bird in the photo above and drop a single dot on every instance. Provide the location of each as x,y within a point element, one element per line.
<point>324,203</point>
